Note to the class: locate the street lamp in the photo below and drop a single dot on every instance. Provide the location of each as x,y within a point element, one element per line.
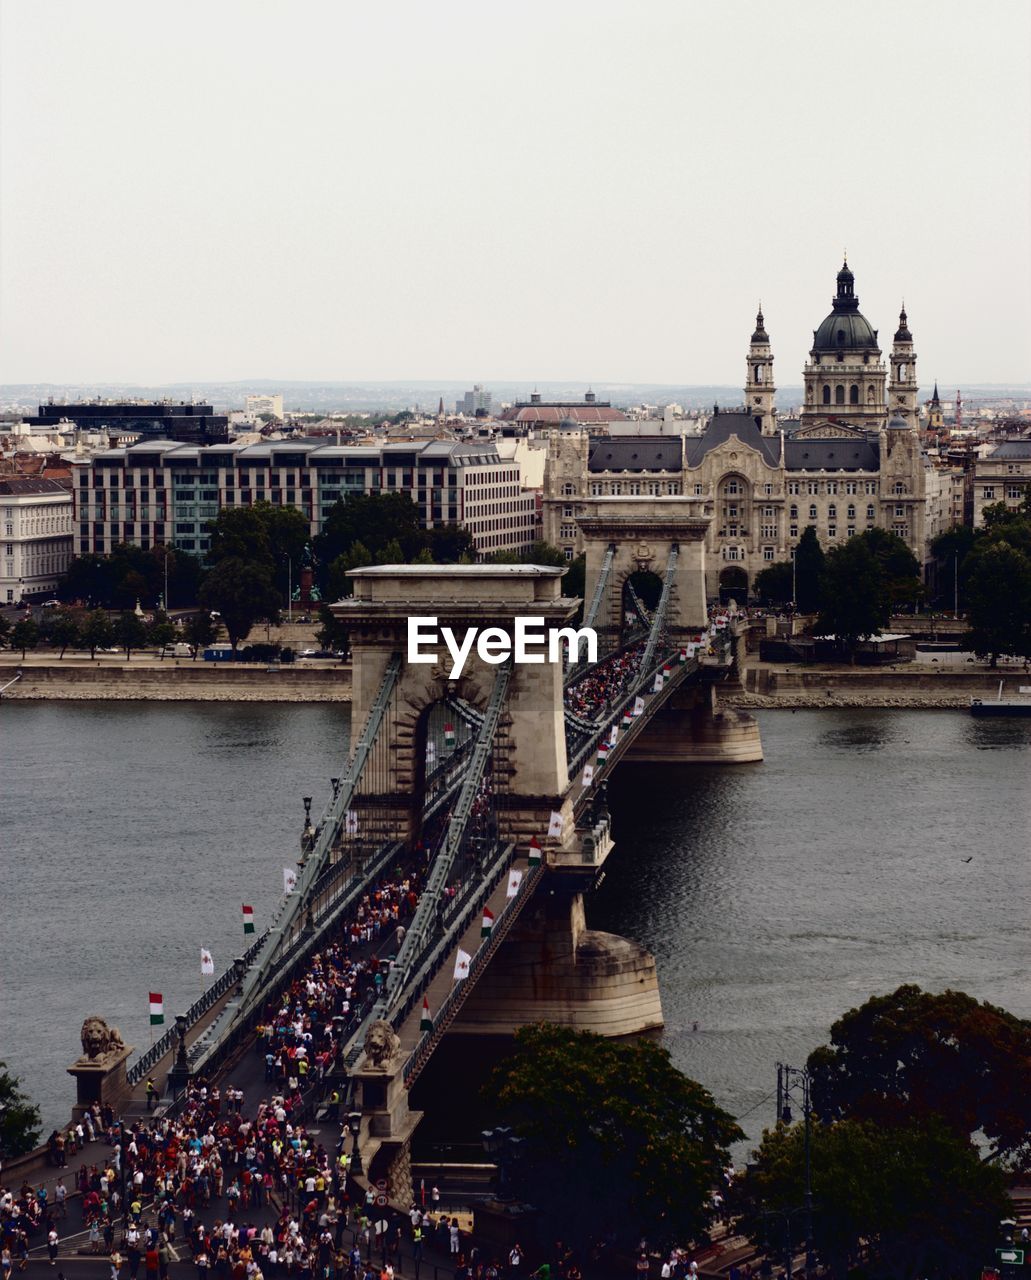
<point>179,1075</point>
<point>790,1079</point>
<point>354,1124</point>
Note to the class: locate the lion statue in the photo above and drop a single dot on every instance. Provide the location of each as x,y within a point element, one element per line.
<point>98,1039</point>
<point>381,1043</point>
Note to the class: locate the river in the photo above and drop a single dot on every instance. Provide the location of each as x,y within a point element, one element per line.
<point>774,896</point>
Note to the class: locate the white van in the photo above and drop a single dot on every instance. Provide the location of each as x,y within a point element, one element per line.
<point>179,650</point>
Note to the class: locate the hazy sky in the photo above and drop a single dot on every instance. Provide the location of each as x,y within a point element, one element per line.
<point>223,189</point>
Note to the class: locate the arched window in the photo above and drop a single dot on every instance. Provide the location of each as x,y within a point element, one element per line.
<point>812,511</point>
<point>794,511</point>
<point>853,394</point>
<point>839,395</point>
<point>826,394</point>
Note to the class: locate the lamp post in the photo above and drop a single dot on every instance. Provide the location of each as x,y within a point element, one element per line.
<point>354,1124</point>
<point>790,1079</point>
<point>179,1076</point>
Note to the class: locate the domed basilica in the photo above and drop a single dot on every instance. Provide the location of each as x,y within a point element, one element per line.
<point>853,460</point>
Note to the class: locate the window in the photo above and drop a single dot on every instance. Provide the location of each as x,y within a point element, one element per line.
<point>567,511</point>
<point>851,531</point>
<point>832,531</point>
<point>794,511</point>
<point>732,486</point>
<point>826,394</point>
<point>898,487</point>
<point>793,486</point>
<point>767,511</point>
<point>832,486</point>
<point>793,531</point>
<point>568,490</point>
<point>812,511</point>
<point>851,511</point>
<point>596,489</point>
<point>698,489</point>
<point>769,531</point>
<point>731,553</point>
<point>870,512</point>
<point>767,553</point>
<point>839,395</point>
<point>900,511</point>
<point>989,491</point>
<point>832,511</point>
<point>1014,491</point>
<point>853,394</point>
<point>768,489</point>
<point>851,486</point>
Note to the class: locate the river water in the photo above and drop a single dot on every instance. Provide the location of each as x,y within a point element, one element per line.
<point>774,896</point>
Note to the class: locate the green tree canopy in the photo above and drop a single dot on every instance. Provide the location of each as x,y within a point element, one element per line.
<point>773,584</point>
<point>97,631</point>
<point>809,560</point>
<point>374,519</point>
<point>131,632</point>
<point>64,631</point>
<point>19,1117</point>
<point>856,604</point>
<point>200,630</point>
<point>998,593</point>
<point>912,1055</point>
<point>950,550</point>
<point>243,593</point>
<point>617,1138</point>
<point>269,537</point>
<point>916,1195</point>
<point>900,566</point>
<point>24,635</point>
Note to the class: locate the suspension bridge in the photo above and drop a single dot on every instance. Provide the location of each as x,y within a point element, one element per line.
<point>494,782</point>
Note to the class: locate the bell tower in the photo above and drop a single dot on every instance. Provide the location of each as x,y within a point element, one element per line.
<point>902,390</point>
<point>759,388</point>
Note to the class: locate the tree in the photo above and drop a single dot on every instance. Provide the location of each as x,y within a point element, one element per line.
<point>200,631</point>
<point>950,550</point>
<point>24,635</point>
<point>97,631</point>
<point>916,1195</point>
<point>269,537</point>
<point>374,519</point>
<point>544,553</point>
<point>131,632</point>
<point>19,1118</point>
<point>243,593</point>
<point>451,544</point>
<point>5,630</point>
<point>998,589</point>
<point>855,597</point>
<point>773,584</point>
<point>900,566</point>
<point>64,631</point>
<point>332,633</point>
<point>617,1139</point>
<point>357,557</point>
<point>161,632</point>
<point>808,571</point>
<point>912,1054</point>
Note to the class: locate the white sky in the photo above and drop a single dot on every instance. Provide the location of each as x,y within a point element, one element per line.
<point>223,189</point>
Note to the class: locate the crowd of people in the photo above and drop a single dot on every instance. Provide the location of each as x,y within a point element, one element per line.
<point>604,683</point>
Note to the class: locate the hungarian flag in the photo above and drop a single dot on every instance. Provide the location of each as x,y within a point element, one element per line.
<point>628,717</point>
<point>588,775</point>
<point>462,962</point>
<point>515,879</point>
<point>603,751</point>
<point>488,923</point>
<point>425,1022</point>
<point>248,919</point>
<point>157,1009</point>
<point>638,706</point>
<point>613,735</point>
<point>666,673</point>
<point>534,853</point>
<point>555,825</point>
<point>207,961</point>
<point>683,655</point>
<point>449,735</point>
<point>657,683</point>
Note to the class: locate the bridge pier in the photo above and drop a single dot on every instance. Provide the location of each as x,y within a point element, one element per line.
<point>692,728</point>
<point>552,968</point>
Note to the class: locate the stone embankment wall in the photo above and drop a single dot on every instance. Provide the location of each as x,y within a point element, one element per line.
<point>186,681</point>
<point>904,686</point>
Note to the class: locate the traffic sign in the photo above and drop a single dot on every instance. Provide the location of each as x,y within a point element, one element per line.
<point>381,1200</point>
<point>381,1184</point>
<point>1013,1256</point>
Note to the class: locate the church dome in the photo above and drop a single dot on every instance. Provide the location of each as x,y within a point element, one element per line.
<point>846,328</point>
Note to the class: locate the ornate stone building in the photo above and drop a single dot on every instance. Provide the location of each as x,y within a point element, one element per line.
<point>854,460</point>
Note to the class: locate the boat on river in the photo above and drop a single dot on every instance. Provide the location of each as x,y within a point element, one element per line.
<point>1017,704</point>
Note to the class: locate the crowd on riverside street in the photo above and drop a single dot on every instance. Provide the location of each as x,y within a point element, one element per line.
<point>605,682</point>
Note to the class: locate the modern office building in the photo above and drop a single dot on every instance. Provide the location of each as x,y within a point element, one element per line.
<point>159,492</point>
<point>35,537</point>
<point>150,420</point>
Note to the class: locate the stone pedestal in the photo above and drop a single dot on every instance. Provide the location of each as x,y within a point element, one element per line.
<point>101,1079</point>
<point>692,729</point>
<point>554,969</point>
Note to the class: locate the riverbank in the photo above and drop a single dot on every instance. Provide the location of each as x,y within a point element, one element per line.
<point>908,686</point>
<point>184,680</point>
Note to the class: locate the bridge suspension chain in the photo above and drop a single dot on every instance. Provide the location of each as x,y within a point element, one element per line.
<point>659,619</point>
<point>420,931</point>
<point>318,857</point>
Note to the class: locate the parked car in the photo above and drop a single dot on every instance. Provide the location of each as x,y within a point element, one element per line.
<point>178,650</point>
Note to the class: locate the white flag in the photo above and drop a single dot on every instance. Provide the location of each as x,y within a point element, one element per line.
<point>207,962</point>
<point>657,685</point>
<point>431,752</point>
<point>555,825</point>
<point>462,962</point>
<point>588,774</point>
<point>638,706</point>
<point>515,879</point>
<point>613,735</point>
<point>351,822</point>
<point>289,879</point>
